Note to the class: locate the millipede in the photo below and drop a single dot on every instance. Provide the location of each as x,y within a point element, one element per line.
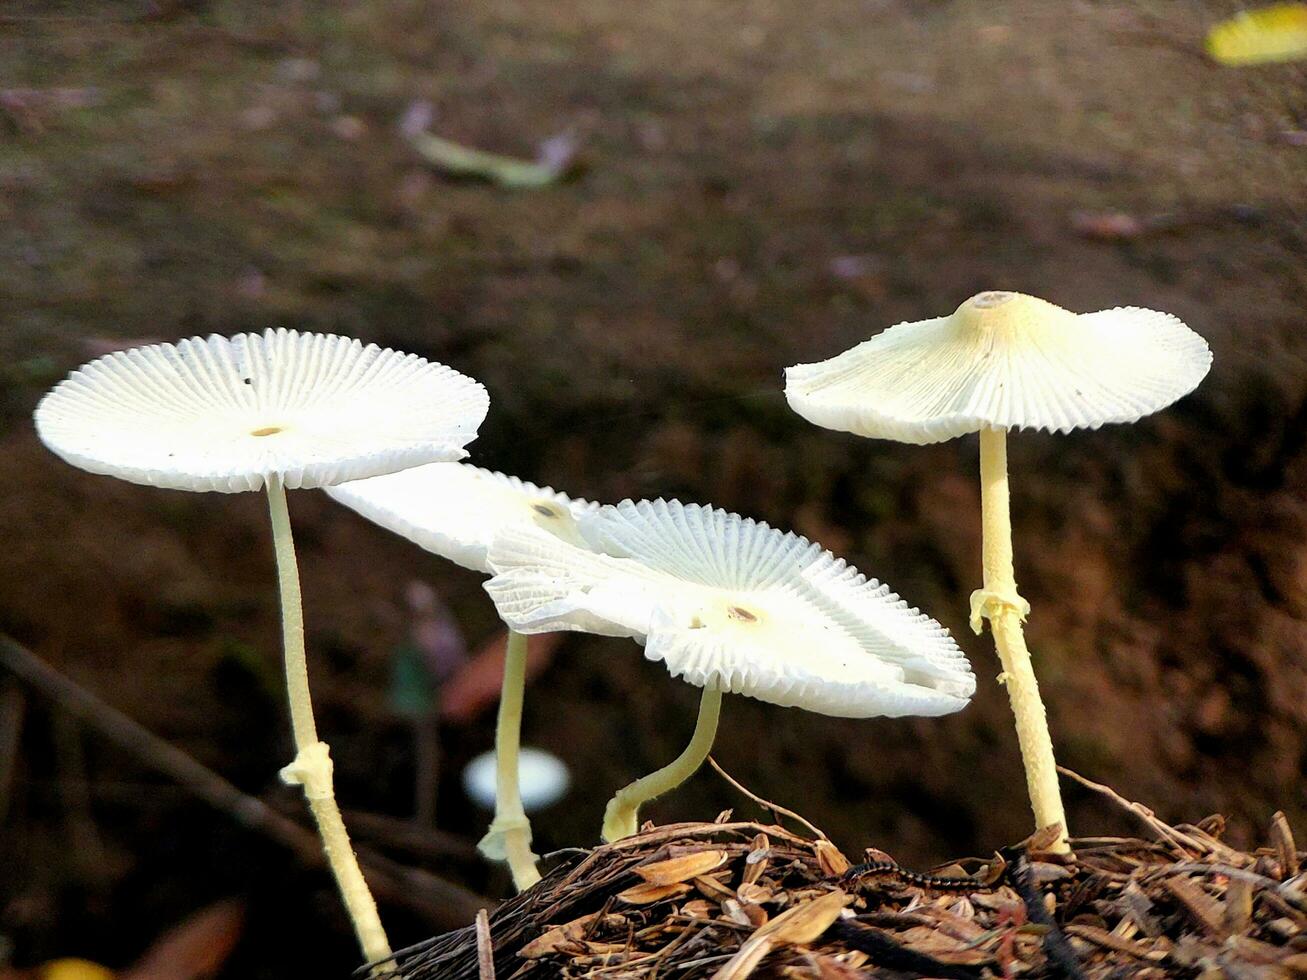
<point>927,882</point>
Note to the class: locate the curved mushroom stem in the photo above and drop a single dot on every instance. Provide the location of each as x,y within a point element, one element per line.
<point>509,836</point>
<point>1000,603</point>
<point>312,766</point>
<point>621,817</point>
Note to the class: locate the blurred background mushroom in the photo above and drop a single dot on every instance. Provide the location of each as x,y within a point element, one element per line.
<point>542,779</point>
<point>434,651</point>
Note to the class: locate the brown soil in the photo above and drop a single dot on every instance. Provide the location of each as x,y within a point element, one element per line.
<point>763,184</point>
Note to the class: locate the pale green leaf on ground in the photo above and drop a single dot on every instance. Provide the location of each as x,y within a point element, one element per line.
<point>458,160</point>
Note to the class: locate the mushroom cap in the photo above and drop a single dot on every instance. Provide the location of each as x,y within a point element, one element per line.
<point>724,600</point>
<point>543,779</point>
<point>228,413</point>
<point>455,509</point>
<point>1002,360</point>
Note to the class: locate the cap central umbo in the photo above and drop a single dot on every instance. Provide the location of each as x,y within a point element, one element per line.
<point>990,299</point>
<point>740,614</point>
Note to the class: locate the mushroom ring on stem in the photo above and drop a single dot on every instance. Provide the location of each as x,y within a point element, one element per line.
<point>729,605</point>
<point>455,510</point>
<point>278,410</point>
<point>1005,361</point>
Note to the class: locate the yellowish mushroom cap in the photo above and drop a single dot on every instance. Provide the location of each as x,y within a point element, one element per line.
<point>1002,360</point>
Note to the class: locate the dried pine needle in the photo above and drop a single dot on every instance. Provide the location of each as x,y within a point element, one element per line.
<point>734,900</point>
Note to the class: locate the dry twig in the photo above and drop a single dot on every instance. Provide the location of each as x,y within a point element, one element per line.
<point>443,903</point>
<point>485,949</point>
<point>12,705</point>
<point>766,804</point>
<point>1163,830</point>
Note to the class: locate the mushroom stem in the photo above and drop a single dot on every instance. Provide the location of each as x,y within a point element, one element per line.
<point>1002,605</point>
<point>621,817</point>
<point>509,837</point>
<point>312,766</point>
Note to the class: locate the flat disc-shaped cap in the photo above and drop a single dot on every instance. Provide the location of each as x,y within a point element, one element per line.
<point>1002,360</point>
<point>723,600</point>
<point>228,413</point>
<point>456,510</point>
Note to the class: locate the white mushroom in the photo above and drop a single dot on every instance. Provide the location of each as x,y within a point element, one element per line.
<point>1004,361</point>
<point>730,605</point>
<point>273,410</point>
<point>233,414</point>
<point>543,779</point>
<point>455,510</point>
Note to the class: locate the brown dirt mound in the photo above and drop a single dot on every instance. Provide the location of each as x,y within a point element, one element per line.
<point>732,900</point>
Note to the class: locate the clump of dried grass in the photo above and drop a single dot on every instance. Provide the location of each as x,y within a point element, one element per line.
<point>734,900</point>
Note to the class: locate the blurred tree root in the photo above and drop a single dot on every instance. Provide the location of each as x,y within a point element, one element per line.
<point>443,903</point>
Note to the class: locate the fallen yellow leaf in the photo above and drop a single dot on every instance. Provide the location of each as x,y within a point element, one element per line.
<point>73,969</point>
<point>1260,36</point>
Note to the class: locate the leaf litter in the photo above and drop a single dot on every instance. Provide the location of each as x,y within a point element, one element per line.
<point>734,900</point>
